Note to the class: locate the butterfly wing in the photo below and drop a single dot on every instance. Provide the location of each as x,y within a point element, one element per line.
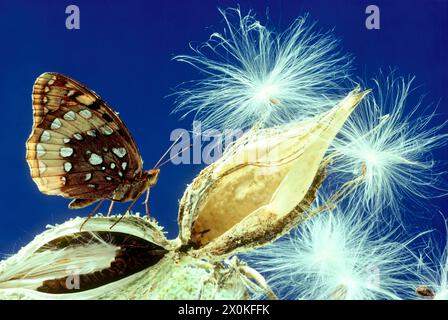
<point>79,147</point>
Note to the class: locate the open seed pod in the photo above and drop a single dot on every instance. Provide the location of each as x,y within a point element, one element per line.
<point>262,186</point>
<point>131,261</point>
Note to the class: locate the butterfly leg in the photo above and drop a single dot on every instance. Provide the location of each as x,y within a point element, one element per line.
<point>146,202</point>
<point>126,212</point>
<point>91,214</point>
<point>110,208</point>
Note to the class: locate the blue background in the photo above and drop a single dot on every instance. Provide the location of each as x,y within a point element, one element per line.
<point>123,51</point>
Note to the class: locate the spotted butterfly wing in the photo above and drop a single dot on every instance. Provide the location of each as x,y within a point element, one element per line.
<point>78,148</point>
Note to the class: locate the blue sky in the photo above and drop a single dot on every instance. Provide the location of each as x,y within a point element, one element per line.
<point>124,52</point>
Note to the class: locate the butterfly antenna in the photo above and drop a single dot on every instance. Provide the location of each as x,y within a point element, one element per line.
<point>169,149</point>
<point>176,155</point>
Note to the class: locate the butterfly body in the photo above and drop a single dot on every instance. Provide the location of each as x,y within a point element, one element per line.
<point>79,148</point>
<point>133,189</point>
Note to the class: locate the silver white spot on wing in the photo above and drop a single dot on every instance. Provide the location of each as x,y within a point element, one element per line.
<point>66,140</point>
<point>124,165</point>
<point>56,124</point>
<point>65,152</point>
<point>67,166</point>
<point>113,165</point>
<point>42,167</point>
<point>88,176</point>
<point>119,152</point>
<point>70,116</point>
<point>40,150</point>
<point>106,130</point>
<point>91,133</point>
<point>45,136</point>
<point>86,114</point>
<point>95,159</point>
<point>77,136</point>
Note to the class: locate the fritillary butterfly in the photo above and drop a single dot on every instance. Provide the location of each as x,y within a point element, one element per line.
<point>80,149</point>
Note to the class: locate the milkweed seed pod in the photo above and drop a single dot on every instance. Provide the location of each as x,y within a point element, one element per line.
<point>134,260</point>
<point>261,187</point>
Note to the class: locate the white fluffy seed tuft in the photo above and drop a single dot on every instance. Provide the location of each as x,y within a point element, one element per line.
<point>337,256</point>
<point>258,76</point>
<point>390,144</point>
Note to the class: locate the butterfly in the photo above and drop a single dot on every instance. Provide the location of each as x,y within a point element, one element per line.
<point>80,149</point>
